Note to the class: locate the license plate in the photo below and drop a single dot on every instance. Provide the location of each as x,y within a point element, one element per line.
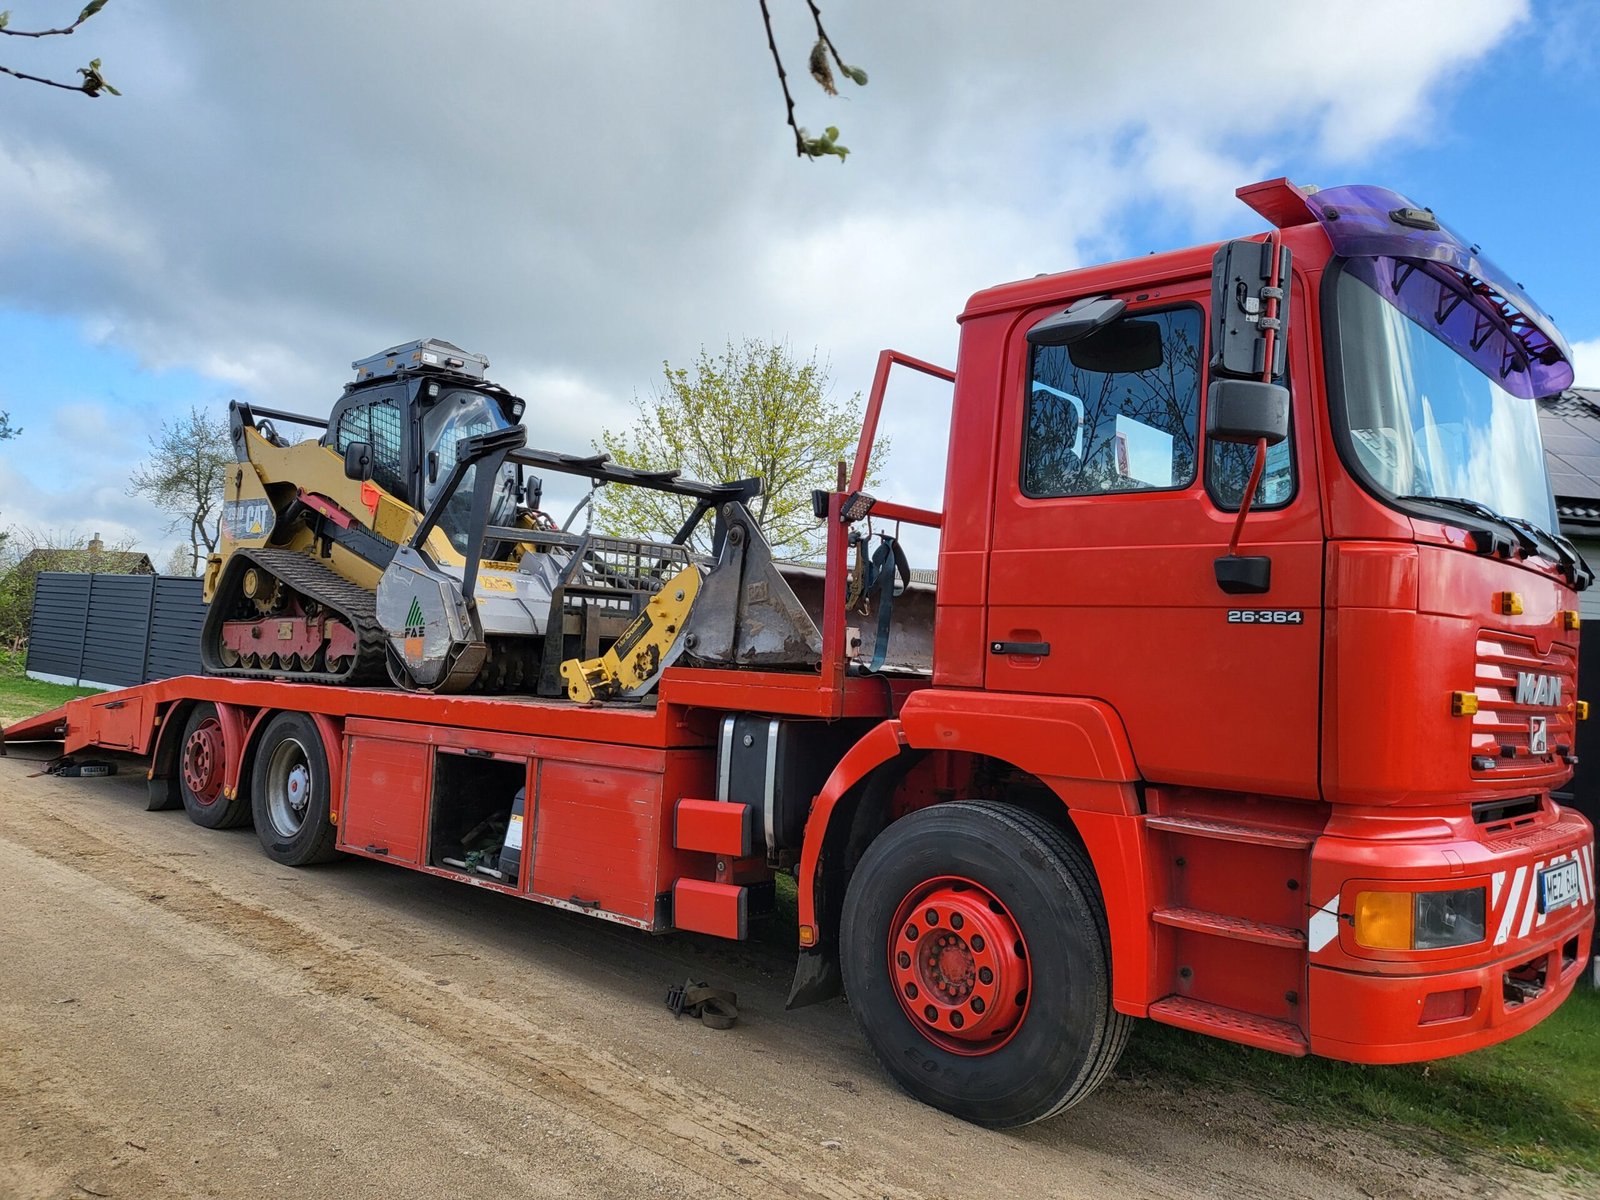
<point>1558,886</point>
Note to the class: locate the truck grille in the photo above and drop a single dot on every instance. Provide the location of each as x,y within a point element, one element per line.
<point>1501,722</point>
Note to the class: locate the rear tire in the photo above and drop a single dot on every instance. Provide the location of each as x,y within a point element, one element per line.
<point>201,768</point>
<point>290,793</point>
<point>976,959</point>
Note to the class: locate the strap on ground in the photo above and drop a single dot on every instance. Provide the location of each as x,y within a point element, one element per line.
<point>716,1008</point>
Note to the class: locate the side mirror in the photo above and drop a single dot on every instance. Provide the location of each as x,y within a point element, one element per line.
<point>358,461</point>
<point>1247,410</point>
<point>1077,322</point>
<point>1241,286</point>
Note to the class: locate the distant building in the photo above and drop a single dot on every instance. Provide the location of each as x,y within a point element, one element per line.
<point>1570,426</point>
<point>93,559</point>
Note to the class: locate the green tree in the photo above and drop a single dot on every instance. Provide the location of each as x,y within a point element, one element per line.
<point>7,429</point>
<point>184,474</point>
<point>753,410</point>
<point>91,83</point>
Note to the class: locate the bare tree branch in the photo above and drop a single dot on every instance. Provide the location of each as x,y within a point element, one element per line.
<point>783,81</point>
<point>805,145</point>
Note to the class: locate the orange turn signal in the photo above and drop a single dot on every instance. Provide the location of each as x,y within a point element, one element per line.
<point>1570,619</point>
<point>1384,920</point>
<point>1508,604</point>
<point>1463,704</point>
<point>1580,709</point>
<point>808,935</point>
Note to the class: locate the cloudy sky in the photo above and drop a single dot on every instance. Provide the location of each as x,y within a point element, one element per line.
<point>580,191</point>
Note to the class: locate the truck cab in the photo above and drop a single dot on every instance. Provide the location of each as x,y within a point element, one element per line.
<point>1396,694</point>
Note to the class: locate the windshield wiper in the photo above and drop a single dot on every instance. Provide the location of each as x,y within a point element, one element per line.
<point>1477,509</point>
<point>1571,562</point>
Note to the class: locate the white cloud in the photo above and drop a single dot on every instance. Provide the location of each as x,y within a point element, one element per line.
<point>584,190</point>
<point>1586,363</point>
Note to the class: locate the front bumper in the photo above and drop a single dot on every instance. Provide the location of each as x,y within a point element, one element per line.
<point>1393,1019</point>
<point>1391,1006</point>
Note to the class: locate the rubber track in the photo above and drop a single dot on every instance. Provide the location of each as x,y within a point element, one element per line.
<point>1071,857</point>
<point>356,606</point>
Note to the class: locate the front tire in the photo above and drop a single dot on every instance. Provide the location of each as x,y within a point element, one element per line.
<point>201,768</point>
<point>977,961</point>
<point>290,790</point>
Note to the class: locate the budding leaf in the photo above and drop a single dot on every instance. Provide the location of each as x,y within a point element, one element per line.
<point>857,76</point>
<point>93,82</point>
<point>5,18</point>
<point>90,9</point>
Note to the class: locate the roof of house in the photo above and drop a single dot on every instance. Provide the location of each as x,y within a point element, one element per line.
<point>104,562</point>
<point>1570,426</point>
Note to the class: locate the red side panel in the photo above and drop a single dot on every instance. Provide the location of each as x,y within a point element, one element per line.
<point>122,720</point>
<point>386,795</point>
<point>596,837</point>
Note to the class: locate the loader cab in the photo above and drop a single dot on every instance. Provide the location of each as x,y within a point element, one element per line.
<point>410,406</point>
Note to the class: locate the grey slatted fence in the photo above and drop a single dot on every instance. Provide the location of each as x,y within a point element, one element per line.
<point>114,630</point>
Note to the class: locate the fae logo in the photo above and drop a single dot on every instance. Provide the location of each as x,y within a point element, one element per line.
<point>415,626</point>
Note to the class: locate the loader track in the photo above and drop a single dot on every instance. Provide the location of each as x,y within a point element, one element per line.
<point>356,606</point>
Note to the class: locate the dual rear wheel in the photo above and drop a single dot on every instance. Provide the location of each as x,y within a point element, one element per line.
<point>289,792</point>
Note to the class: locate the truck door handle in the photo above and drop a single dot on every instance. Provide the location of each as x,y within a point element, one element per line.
<point>1037,649</point>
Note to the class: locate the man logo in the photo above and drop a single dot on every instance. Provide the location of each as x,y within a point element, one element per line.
<point>1543,690</point>
<point>414,631</point>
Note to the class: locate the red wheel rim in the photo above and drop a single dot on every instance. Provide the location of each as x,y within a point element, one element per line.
<point>960,965</point>
<point>203,756</point>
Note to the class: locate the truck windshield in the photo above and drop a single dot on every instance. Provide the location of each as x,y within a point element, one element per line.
<point>1430,385</point>
<point>458,415</point>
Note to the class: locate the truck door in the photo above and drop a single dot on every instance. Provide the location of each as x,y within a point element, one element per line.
<point>1110,512</point>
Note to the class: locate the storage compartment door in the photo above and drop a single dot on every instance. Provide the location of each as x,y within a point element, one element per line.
<point>385,798</point>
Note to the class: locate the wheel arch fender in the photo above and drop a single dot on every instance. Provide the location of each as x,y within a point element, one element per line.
<point>1077,750</point>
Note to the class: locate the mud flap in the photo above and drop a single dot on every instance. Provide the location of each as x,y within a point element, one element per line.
<point>816,978</point>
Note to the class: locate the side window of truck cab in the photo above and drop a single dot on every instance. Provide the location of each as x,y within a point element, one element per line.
<point>1118,411</point>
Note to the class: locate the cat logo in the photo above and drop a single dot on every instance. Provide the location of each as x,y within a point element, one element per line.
<point>1542,690</point>
<point>413,633</point>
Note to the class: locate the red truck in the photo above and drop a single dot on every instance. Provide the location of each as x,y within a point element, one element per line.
<point>1252,672</point>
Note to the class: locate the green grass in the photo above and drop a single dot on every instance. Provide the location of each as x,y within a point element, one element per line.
<point>1533,1101</point>
<point>23,697</point>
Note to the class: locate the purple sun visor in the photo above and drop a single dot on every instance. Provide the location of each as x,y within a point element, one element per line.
<point>1445,284</point>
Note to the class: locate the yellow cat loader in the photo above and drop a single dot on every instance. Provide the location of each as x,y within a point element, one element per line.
<point>406,544</point>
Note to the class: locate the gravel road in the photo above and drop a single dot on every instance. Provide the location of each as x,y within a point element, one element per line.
<point>180,1016</point>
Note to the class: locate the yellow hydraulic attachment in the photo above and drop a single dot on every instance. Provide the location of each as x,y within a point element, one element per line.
<point>648,644</point>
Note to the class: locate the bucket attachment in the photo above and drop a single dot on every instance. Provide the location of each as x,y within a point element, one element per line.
<point>747,615</point>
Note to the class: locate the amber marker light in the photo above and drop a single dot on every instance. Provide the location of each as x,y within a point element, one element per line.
<point>1383,920</point>
<point>1508,604</point>
<point>1463,704</point>
<point>1580,709</point>
<point>1570,619</point>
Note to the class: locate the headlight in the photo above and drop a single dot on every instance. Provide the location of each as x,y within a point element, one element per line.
<point>1449,919</point>
<point>1419,920</point>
